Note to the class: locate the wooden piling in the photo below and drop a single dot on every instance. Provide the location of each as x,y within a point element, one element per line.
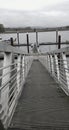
<point>27,43</point>
<point>59,46</point>
<point>18,37</point>
<point>11,39</point>
<point>59,41</point>
<point>37,38</point>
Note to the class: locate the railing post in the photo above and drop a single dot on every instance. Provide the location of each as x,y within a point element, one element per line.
<point>26,65</point>
<point>18,72</point>
<point>66,69</point>
<point>46,64</point>
<point>48,59</point>
<point>23,67</point>
<point>5,91</point>
<point>52,65</point>
<point>27,43</point>
<point>57,66</point>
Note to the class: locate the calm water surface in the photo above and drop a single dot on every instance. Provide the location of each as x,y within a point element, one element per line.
<point>42,37</point>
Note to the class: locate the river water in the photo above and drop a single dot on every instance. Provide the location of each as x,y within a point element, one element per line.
<point>42,37</point>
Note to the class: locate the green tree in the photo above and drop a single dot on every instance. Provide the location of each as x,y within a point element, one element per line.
<point>2,29</point>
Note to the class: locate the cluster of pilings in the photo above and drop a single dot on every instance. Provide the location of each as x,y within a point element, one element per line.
<point>58,40</point>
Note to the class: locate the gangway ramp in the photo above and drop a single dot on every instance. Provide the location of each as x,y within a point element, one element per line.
<point>42,105</point>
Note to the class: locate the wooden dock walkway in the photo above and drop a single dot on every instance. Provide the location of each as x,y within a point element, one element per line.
<point>42,105</point>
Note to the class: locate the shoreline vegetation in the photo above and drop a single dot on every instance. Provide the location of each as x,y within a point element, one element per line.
<point>35,29</point>
<point>2,29</point>
<point>31,29</point>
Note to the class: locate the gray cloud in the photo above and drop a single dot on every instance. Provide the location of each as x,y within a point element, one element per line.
<point>56,15</point>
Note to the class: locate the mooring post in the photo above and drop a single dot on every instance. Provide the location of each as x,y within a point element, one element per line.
<point>27,42</point>
<point>18,37</point>
<point>11,39</point>
<point>59,46</point>
<point>59,41</point>
<point>37,38</point>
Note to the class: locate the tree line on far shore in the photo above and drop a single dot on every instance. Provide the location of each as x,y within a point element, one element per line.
<point>2,29</point>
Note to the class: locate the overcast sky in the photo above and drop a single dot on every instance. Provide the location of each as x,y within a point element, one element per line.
<point>47,13</point>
